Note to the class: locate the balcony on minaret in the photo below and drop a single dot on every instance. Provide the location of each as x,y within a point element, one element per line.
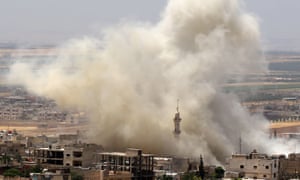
<point>177,120</point>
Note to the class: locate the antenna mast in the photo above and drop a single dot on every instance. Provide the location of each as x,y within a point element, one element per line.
<point>177,108</point>
<point>240,144</point>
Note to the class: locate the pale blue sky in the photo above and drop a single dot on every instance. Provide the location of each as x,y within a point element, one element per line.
<point>279,22</point>
<point>54,21</point>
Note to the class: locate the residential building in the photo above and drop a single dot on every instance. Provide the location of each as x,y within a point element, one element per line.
<point>289,167</point>
<point>53,174</point>
<point>77,155</point>
<point>97,174</point>
<point>139,165</point>
<point>253,165</point>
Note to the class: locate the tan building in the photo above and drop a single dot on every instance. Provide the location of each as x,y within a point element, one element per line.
<point>133,161</point>
<point>253,165</point>
<point>106,175</point>
<point>289,167</point>
<point>49,156</point>
<point>53,174</point>
<point>77,155</point>
<point>81,155</point>
<point>40,141</point>
<point>67,139</point>
<point>172,166</point>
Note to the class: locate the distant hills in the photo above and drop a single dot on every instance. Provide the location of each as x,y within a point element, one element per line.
<point>10,45</point>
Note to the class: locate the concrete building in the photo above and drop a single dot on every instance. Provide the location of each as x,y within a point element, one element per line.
<point>67,139</point>
<point>52,174</point>
<point>11,153</point>
<point>40,141</point>
<point>289,167</point>
<point>12,149</point>
<point>139,165</point>
<point>172,166</point>
<point>10,113</point>
<point>77,155</point>
<point>97,174</point>
<point>81,155</point>
<point>8,135</point>
<point>253,165</point>
<point>49,157</point>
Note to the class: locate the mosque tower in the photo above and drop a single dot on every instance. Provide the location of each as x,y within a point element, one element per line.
<point>177,120</point>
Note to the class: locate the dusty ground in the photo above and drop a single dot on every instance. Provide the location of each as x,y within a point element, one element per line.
<point>31,128</point>
<point>286,127</point>
<point>284,124</point>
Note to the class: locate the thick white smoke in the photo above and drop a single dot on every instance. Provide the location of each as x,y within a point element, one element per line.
<point>129,81</point>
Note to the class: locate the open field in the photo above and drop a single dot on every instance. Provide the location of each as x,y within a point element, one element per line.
<point>285,127</point>
<point>284,124</point>
<point>260,86</point>
<point>31,128</point>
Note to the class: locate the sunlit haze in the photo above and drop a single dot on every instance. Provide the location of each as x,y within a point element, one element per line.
<point>54,21</point>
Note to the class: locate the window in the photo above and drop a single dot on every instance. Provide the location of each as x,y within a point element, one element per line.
<point>265,175</point>
<point>274,175</point>
<point>255,167</point>
<point>77,163</point>
<point>267,167</point>
<point>242,166</point>
<point>68,155</point>
<point>77,154</point>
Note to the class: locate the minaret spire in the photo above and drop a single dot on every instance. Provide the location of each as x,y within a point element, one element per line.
<point>177,120</point>
<point>177,108</point>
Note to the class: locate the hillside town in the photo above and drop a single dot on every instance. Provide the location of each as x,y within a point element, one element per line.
<point>150,90</point>
<point>40,140</point>
<point>68,155</point>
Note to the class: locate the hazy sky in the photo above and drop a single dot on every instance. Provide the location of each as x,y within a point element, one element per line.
<point>54,21</point>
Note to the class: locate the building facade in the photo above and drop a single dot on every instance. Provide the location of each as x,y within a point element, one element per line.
<point>139,165</point>
<point>289,167</point>
<point>77,155</point>
<point>253,165</point>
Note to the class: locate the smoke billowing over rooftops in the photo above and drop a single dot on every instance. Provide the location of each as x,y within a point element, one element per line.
<point>129,81</point>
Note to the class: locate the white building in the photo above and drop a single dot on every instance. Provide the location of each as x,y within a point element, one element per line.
<point>253,165</point>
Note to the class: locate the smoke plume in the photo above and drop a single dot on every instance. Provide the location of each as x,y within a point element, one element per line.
<point>129,81</point>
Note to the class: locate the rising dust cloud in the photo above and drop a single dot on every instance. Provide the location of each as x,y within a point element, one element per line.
<point>129,81</point>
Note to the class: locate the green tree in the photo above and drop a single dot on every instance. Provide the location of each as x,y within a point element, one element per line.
<point>34,169</point>
<point>190,176</point>
<point>219,172</point>
<point>165,177</point>
<point>201,168</point>
<point>76,176</point>
<point>196,178</point>
<point>12,172</point>
<point>18,157</point>
<point>5,159</point>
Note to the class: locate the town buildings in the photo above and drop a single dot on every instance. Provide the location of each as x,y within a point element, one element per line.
<point>289,167</point>
<point>253,165</point>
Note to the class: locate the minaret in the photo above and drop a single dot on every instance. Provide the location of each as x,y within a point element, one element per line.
<point>177,120</point>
